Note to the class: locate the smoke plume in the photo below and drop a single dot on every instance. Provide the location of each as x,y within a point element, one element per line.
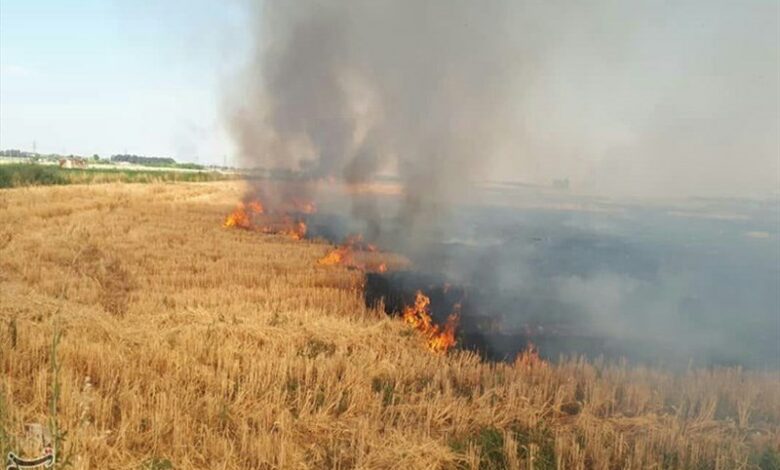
<point>641,99</point>
<point>349,90</point>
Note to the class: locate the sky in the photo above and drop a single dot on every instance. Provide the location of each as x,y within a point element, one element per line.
<point>107,77</point>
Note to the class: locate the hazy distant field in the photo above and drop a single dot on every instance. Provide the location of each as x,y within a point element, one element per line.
<point>30,174</point>
<point>182,344</point>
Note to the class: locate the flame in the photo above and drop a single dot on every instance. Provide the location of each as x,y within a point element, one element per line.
<point>241,217</point>
<point>344,255</point>
<point>445,339</point>
<point>356,242</point>
<point>297,231</point>
<point>339,255</point>
<point>256,207</point>
<point>439,339</point>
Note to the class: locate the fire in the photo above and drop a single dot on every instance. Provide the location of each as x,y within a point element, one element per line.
<point>256,207</point>
<point>439,339</point>
<point>295,230</point>
<point>344,254</point>
<point>445,339</point>
<point>239,218</point>
<point>339,255</point>
<point>242,216</point>
<point>356,242</point>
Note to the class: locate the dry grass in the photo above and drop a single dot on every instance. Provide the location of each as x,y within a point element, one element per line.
<point>187,344</point>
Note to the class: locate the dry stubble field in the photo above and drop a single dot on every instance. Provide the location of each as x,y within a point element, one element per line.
<point>181,344</point>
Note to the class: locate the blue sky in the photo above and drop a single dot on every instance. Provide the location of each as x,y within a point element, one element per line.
<point>107,77</point>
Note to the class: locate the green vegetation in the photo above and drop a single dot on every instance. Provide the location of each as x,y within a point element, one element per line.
<point>23,174</point>
<point>26,174</point>
<point>158,162</point>
<point>385,386</point>
<point>141,160</point>
<point>768,460</point>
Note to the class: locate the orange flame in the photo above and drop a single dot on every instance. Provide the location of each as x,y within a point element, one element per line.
<point>241,217</point>
<point>297,231</point>
<point>439,339</point>
<point>256,207</point>
<point>339,255</point>
<point>356,242</point>
<point>344,255</point>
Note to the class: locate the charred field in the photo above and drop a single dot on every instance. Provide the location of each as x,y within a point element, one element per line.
<point>165,339</point>
<point>670,284</point>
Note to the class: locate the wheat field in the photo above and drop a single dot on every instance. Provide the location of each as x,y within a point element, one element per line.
<point>137,332</point>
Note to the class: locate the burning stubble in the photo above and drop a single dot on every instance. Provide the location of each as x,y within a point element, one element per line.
<point>440,94</point>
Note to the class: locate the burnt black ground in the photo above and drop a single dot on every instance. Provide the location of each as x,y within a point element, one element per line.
<point>662,283</point>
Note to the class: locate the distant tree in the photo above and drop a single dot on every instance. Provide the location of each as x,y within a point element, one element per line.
<point>140,160</point>
<point>189,166</point>
<point>11,153</point>
<point>96,157</point>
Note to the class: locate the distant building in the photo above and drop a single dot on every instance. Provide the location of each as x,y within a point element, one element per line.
<point>13,153</point>
<point>72,163</point>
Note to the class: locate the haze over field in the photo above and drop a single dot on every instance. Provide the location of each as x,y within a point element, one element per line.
<point>624,99</point>
<point>640,100</point>
<point>670,284</point>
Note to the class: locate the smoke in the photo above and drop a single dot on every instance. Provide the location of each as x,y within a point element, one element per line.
<point>653,99</point>
<point>349,90</point>
<point>642,98</point>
